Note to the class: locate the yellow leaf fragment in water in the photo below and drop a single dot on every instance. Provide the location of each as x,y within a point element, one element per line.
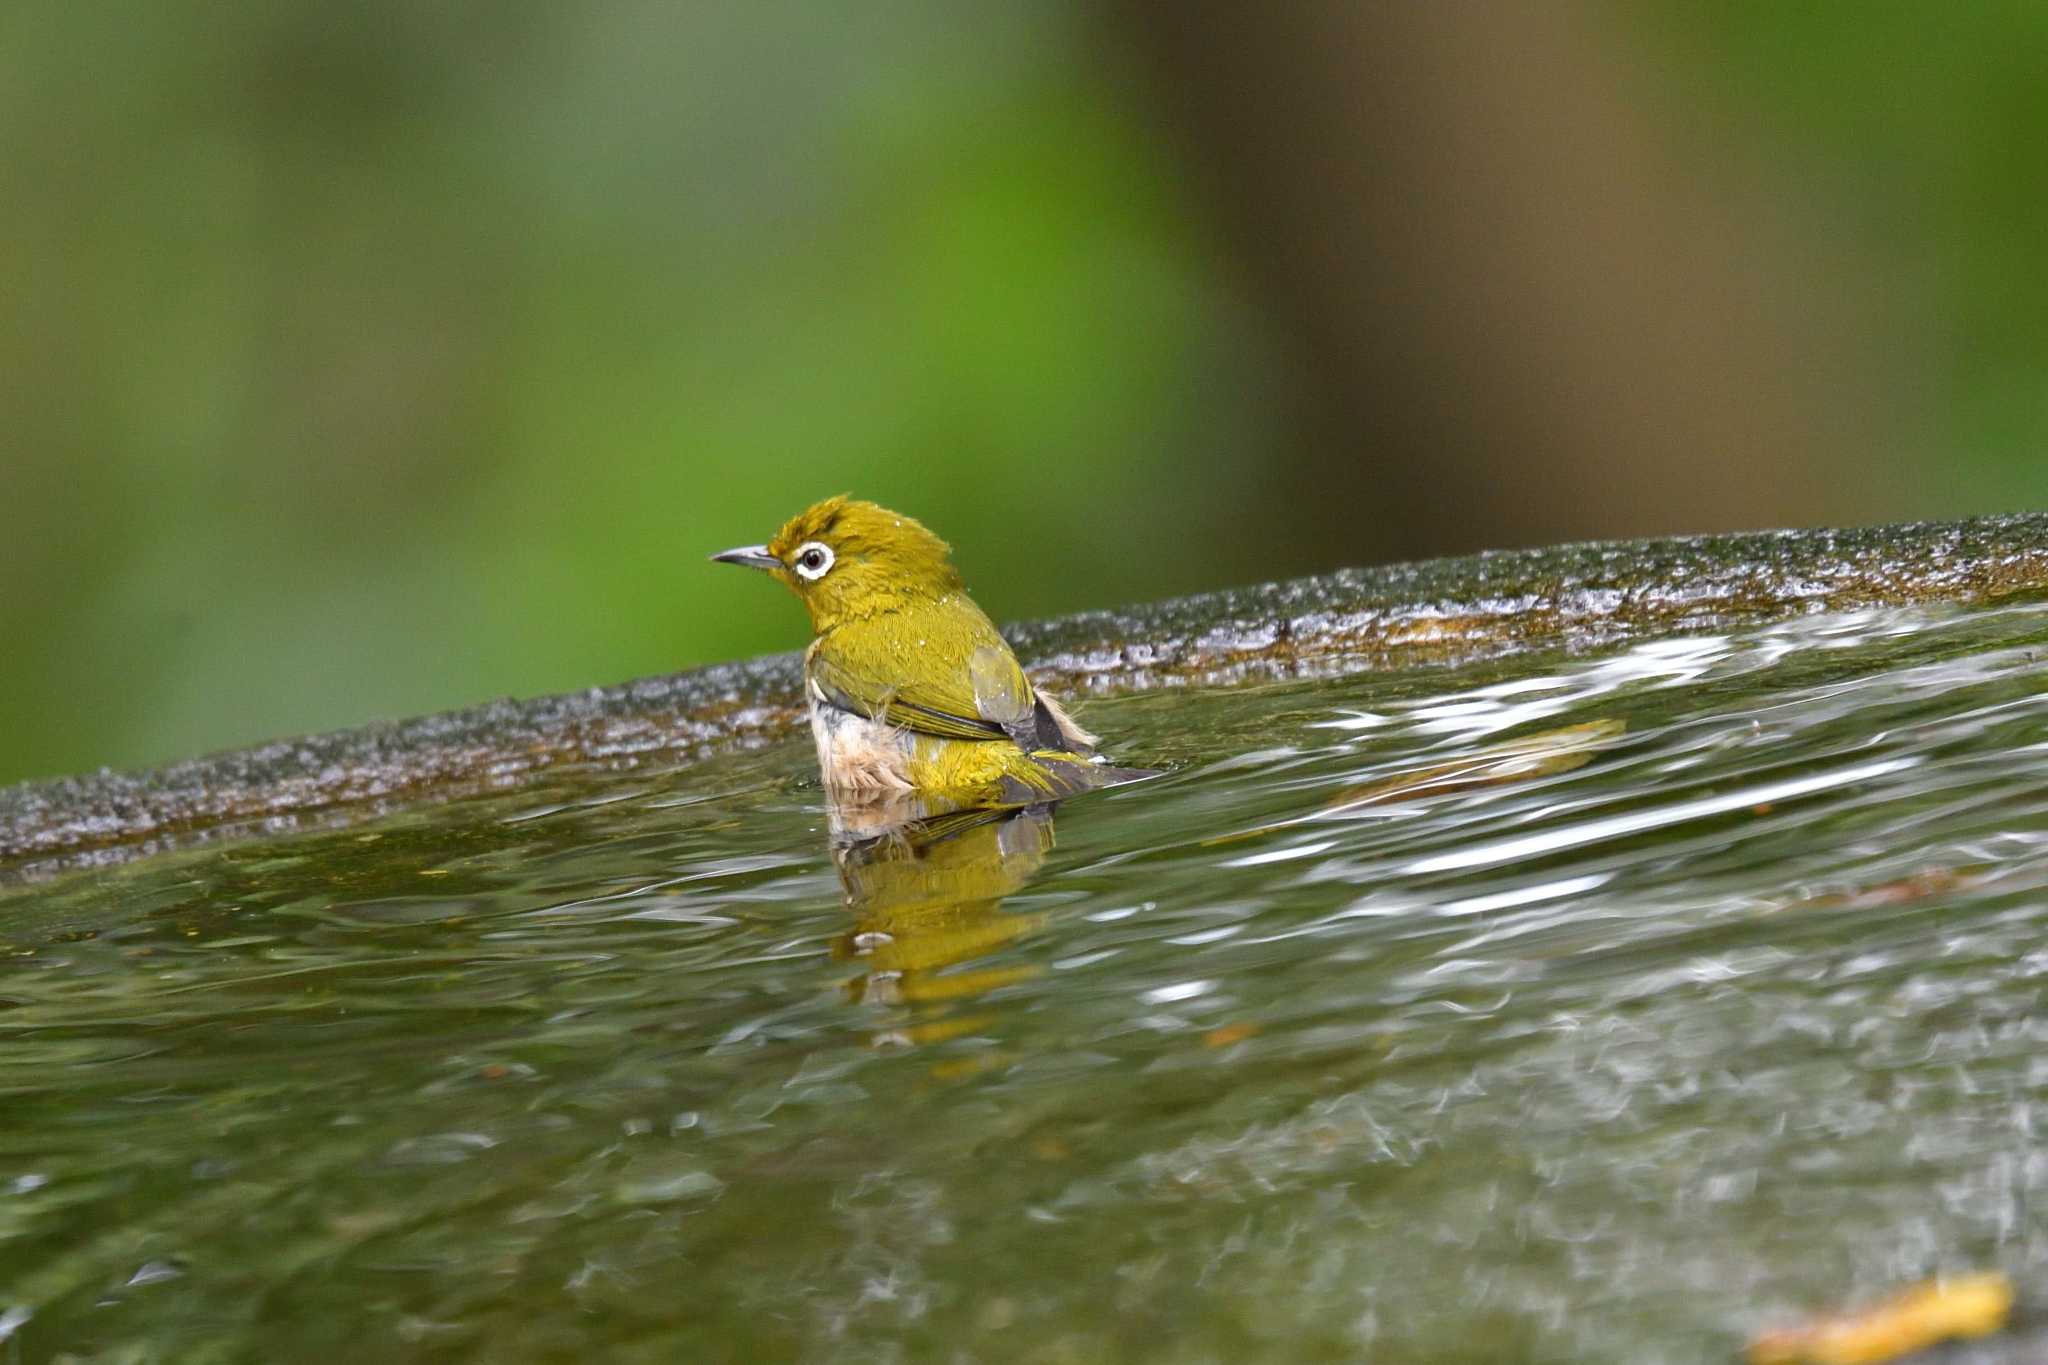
<point>1228,1035</point>
<point>1911,1320</point>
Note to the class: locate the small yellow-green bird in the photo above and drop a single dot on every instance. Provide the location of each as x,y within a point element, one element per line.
<point>911,690</point>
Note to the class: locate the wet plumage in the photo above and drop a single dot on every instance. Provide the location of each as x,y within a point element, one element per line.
<point>911,688</point>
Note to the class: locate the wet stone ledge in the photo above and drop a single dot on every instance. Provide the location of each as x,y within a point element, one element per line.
<point>1574,598</point>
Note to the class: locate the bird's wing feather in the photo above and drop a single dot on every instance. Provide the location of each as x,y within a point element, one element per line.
<point>950,678</point>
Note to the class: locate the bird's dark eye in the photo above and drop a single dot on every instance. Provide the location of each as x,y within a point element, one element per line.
<point>813,560</point>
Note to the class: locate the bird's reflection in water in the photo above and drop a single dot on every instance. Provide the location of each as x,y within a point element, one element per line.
<point>926,892</point>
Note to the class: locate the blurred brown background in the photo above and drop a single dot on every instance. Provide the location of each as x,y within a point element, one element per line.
<point>366,360</point>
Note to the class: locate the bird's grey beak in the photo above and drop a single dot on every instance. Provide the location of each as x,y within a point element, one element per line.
<point>753,556</point>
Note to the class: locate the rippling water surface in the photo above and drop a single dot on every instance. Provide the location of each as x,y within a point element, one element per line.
<point>1356,1035</point>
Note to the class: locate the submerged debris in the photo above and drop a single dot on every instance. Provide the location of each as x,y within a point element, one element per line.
<point>1443,611</point>
<point>1516,760</point>
<point>1912,889</point>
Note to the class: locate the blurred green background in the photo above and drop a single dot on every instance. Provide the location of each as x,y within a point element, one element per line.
<point>363,360</point>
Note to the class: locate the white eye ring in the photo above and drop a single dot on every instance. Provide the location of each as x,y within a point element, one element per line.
<point>813,560</point>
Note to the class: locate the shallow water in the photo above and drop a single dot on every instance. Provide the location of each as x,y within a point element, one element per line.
<point>1338,1041</point>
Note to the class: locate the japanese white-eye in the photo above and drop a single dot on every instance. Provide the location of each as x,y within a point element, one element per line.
<point>911,689</point>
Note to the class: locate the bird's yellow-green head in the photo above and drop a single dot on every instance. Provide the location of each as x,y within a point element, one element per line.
<point>846,559</point>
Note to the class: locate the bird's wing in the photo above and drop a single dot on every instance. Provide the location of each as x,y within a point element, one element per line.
<point>955,684</point>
